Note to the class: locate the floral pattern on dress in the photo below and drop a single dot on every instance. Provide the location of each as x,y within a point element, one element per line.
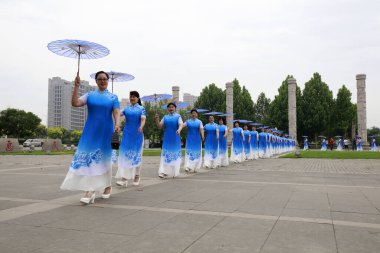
<point>171,156</point>
<point>85,159</point>
<point>133,156</point>
<point>193,155</point>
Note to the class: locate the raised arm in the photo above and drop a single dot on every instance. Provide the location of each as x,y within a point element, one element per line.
<point>75,101</point>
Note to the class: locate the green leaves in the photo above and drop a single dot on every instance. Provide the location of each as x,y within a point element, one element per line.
<point>18,123</point>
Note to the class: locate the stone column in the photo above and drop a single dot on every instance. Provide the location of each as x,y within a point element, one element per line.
<point>361,107</point>
<point>175,93</point>
<point>292,107</point>
<point>229,108</point>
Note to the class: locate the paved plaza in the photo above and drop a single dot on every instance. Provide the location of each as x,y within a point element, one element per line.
<point>271,205</point>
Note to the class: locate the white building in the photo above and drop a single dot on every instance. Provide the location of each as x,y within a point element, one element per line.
<point>60,111</point>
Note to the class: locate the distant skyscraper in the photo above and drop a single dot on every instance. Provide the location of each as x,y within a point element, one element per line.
<point>60,111</point>
<point>188,98</point>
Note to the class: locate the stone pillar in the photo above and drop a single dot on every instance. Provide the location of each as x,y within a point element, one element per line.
<point>175,92</point>
<point>229,108</point>
<point>9,145</point>
<point>361,107</point>
<point>292,107</point>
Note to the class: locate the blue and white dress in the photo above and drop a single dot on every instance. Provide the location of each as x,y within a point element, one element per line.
<point>223,148</point>
<point>247,145</point>
<point>254,145</point>
<point>262,144</point>
<point>237,148</point>
<point>132,142</point>
<point>373,145</point>
<point>211,159</point>
<point>193,157</point>
<point>360,145</point>
<point>340,145</point>
<point>91,168</point>
<point>171,155</point>
<point>306,144</point>
<point>324,145</point>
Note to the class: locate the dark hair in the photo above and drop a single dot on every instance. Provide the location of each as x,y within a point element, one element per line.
<point>193,110</point>
<point>245,125</point>
<point>220,118</point>
<point>171,103</point>
<point>101,72</point>
<point>236,122</point>
<point>136,94</point>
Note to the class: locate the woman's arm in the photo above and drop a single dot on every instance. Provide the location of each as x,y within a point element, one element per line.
<point>116,116</point>
<point>158,123</point>
<point>142,124</point>
<point>75,101</point>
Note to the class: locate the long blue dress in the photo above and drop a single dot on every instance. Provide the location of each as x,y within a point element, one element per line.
<point>90,168</point>
<point>306,144</point>
<point>171,155</point>
<point>132,142</point>
<point>262,144</point>
<point>247,145</point>
<point>254,145</point>
<point>360,145</point>
<point>324,145</point>
<point>223,149</point>
<point>193,158</point>
<point>373,145</point>
<point>237,149</point>
<point>211,158</point>
<point>340,145</point>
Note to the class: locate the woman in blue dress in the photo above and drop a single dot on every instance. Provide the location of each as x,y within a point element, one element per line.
<point>195,135</point>
<point>306,144</point>
<point>247,142</point>
<point>340,145</point>
<point>211,158</point>
<point>254,144</point>
<point>324,144</point>
<point>91,167</point>
<point>360,144</point>
<point>373,144</point>
<point>237,149</point>
<point>223,148</point>
<point>262,143</point>
<point>132,142</point>
<point>171,154</point>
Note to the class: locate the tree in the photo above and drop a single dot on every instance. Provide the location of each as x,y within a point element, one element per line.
<point>243,104</point>
<point>317,103</point>
<point>262,109</point>
<point>55,132</point>
<point>212,98</point>
<point>41,132</point>
<point>75,136</point>
<point>18,123</point>
<point>344,113</point>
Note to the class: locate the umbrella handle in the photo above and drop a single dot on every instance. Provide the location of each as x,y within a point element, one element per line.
<point>79,53</point>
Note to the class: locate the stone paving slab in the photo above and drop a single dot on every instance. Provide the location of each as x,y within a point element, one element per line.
<point>271,205</point>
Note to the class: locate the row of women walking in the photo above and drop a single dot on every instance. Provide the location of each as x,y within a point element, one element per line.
<point>91,167</point>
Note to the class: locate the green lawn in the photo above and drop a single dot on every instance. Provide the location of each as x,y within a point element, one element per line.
<point>335,154</point>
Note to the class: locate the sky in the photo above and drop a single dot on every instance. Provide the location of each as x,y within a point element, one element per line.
<point>192,44</point>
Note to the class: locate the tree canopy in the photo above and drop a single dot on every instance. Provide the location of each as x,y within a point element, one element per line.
<point>18,123</point>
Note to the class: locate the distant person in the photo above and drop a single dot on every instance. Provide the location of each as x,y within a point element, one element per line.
<point>373,144</point>
<point>346,142</point>
<point>211,156</point>
<point>354,143</point>
<point>90,169</point>
<point>331,144</point>
<point>237,147</point>
<point>306,144</point>
<point>360,145</point>
<point>254,143</point>
<point>223,147</point>
<point>340,145</point>
<point>324,144</point>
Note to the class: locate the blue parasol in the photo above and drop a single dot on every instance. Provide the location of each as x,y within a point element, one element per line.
<point>179,105</point>
<point>226,114</point>
<point>212,113</point>
<point>199,110</point>
<point>255,124</point>
<point>305,136</point>
<point>80,49</point>
<point>117,77</point>
<point>155,98</point>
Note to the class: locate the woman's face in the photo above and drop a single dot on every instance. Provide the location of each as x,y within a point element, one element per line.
<point>211,119</point>
<point>236,124</point>
<point>245,127</point>
<point>102,81</point>
<point>171,108</point>
<point>220,122</point>
<point>194,115</point>
<point>133,99</point>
